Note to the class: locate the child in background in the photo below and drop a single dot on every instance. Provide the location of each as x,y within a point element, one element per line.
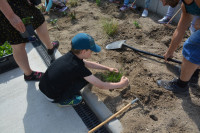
<point>59,5</point>
<point>67,75</point>
<point>126,5</point>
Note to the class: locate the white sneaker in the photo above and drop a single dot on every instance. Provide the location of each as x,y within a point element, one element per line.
<point>145,13</point>
<point>164,20</point>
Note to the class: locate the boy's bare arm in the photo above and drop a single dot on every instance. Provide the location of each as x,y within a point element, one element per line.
<point>95,65</point>
<point>107,85</point>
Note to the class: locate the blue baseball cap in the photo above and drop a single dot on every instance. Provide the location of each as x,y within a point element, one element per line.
<point>84,41</point>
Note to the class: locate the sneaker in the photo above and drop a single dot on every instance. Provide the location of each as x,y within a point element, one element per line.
<point>35,76</point>
<point>193,80</point>
<point>172,86</point>
<point>164,20</point>
<point>145,13</point>
<point>71,102</point>
<point>55,46</point>
<point>123,8</point>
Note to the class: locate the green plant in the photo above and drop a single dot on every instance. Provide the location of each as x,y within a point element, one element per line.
<point>98,2</point>
<point>110,27</point>
<point>112,76</point>
<point>73,15</point>
<point>5,49</point>
<point>73,3</point>
<point>136,24</point>
<point>27,20</point>
<point>53,21</point>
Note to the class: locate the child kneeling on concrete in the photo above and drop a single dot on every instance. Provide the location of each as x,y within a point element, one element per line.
<point>67,75</point>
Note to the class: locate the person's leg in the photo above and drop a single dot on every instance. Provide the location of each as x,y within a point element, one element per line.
<point>146,6</point>
<point>187,70</point>
<point>21,58</point>
<point>44,35</point>
<point>126,2</point>
<point>170,11</point>
<point>48,5</point>
<point>72,94</point>
<point>167,17</point>
<point>125,5</point>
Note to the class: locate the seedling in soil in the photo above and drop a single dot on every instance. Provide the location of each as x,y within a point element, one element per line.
<point>136,24</point>
<point>110,27</point>
<point>5,49</point>
<point>112,76</point>
<point>73,3</point>
<point>73,15</point>
<point>98,2</point>
<point>53,21</point>
<point>65,13</point>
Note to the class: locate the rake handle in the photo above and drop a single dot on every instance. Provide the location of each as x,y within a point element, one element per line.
<point>113,116</point>
<point>155,55</point>
<point>174,16</point>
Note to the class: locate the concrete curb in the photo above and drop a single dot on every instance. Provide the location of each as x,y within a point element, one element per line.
<point>101,111</point>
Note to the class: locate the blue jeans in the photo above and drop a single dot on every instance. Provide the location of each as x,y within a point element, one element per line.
<point>146,3</point>
<point>170,11</point>
<point>191,48</point>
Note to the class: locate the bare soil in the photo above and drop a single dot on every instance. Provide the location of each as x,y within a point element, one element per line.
<point>158,110</point>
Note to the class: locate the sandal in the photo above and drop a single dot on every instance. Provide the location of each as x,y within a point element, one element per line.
<point>55,45</point>
<point>35,76</point>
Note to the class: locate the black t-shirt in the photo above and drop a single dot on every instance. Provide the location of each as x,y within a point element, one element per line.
<point>63,73</point>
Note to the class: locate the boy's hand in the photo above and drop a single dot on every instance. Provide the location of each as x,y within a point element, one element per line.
<point>113,70</point>
<point>124,80</point>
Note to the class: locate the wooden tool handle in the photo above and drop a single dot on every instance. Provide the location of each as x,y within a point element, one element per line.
<point>113,116</point>
<point>174,16</point>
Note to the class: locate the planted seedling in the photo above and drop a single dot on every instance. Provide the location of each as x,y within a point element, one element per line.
<point>98,2</point>
<point>136,24</point>
<point>73,15</point>
<point>5,49</point>
<point>110,27</point>
<point>112,76</point>
<point>53,21</point>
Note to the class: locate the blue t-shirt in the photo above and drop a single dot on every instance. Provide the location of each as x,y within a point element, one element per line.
<point>192,8</point>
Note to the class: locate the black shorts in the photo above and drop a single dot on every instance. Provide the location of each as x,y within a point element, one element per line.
<point>23,10</point>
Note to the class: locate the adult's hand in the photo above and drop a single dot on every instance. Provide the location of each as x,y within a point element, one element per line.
<point>17,23</point>
<point>168,54</point>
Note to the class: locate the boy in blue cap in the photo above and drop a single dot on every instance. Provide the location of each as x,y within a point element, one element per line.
<point>67,75</point>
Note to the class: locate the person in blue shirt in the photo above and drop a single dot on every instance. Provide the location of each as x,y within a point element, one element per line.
<point>191,47</point>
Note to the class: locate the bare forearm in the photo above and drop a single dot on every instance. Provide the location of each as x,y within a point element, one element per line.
<point>110,85</point>
<point>95,65</point>
<point>179,33</point>
<point>6,9</point>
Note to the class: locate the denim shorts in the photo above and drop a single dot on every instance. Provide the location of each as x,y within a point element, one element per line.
<point>191,48</point>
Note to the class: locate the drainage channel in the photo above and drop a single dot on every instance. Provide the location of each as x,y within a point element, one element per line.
<point>83,110</point>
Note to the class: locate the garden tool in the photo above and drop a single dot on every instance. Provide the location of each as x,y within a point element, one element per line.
<point>121,43</point>
<point>113,116</point>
